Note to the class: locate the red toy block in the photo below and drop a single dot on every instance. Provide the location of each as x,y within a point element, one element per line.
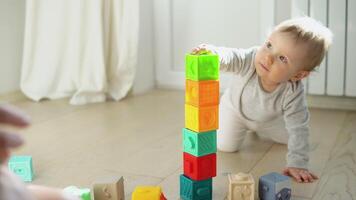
<point>163,197</point>
<point>199,168</point>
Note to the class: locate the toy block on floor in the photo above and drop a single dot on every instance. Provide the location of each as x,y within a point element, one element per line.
<point>199,168</point>
<point>202,67</point>
<point>201,119</point>
<point>274,186</point>
<point>241,187</point>
<point>82,193</point>
<point>148,193</point>
<point>202,93</point>
<point>195,190</point>
<point>109,188</point>
<point>22,166</point>
<point>199,144</point>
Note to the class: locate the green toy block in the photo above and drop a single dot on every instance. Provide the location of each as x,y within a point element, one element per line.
<point>199,144</point>
<point>195,190</point>
<point>202,67</point>
<point>22,166</point>
<point>82,193</point>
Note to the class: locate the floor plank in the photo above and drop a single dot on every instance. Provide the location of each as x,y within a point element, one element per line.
<point>338,181</point>
<point>322,139</point>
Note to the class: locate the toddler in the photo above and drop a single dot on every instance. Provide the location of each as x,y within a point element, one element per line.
<point>266,94</point>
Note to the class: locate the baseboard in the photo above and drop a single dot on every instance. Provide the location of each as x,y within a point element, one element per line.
<point>12,97</point>
<point>314,101</point>
<point>331,102</point>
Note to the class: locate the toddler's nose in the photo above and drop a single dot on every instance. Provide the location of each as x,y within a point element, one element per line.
<point>268,59</point>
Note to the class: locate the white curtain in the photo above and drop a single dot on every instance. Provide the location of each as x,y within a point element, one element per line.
<point>85,49</point>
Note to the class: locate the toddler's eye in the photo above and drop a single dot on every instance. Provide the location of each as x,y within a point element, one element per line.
<point>268,45</point>
<point>283,59</point>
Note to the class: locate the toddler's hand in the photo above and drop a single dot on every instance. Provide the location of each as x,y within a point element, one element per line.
<point>300,175</point>
<point>201,49</point>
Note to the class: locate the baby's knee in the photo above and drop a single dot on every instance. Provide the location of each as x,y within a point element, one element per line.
<point>281,138</point>
<point>227,142</point>
<point>229,147</point>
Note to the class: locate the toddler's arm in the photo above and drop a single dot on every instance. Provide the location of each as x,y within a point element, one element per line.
<point>231,59</point>
<point>296,118</point>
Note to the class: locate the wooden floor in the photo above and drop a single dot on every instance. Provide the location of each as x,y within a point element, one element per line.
<point>140,139</point>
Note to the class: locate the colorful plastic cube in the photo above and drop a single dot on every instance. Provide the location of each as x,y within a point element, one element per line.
<point>148,193</point>
<point>241,186</point>
<point>22,166</point>
<point>202,93</point>
<point>202,67</point>
<point>195,190</point>
<point>199,144</point>
<point>199,168</point>
<point>201,119</point>
<point>109,188</point>
<point>274,186</point>
<point>82,193</point>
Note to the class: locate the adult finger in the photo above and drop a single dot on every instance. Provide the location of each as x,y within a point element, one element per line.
<point>4,154</point>
<point>7,141</point>
<point>10,140</point>
<point>13,116</point>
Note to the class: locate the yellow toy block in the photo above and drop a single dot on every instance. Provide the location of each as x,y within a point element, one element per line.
<point>241,186</point>
<point>201,119</point>
<point>148,193</point>
<point>202,93</point>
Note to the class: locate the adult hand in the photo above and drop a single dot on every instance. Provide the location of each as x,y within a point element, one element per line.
<point>12,116</point>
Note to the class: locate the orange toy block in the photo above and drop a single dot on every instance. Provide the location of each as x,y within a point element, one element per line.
<point>201,119</point>
<point>202,93</point>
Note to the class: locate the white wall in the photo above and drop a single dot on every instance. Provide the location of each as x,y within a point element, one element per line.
<point>180,25</point>
<point>283,10</point>
<point>145,79</point>
<point>234,23</point>
<point>12,15</point>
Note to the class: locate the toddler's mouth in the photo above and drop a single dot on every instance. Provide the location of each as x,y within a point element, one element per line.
<point>264,67</point>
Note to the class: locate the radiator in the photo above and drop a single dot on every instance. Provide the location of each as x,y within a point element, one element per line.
<point>336,75</point>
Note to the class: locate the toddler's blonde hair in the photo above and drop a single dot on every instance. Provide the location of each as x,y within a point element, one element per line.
<point>315,34</point>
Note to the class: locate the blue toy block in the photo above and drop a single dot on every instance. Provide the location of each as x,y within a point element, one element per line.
<point>199,144</point>
<point>274,186</point>
<point>195,190</point>
<point>22,166</point>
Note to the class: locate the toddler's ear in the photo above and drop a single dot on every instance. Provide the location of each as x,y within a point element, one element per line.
<point>300,75</point>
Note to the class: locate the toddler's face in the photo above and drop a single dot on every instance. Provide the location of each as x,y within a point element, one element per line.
<point>280,58</point>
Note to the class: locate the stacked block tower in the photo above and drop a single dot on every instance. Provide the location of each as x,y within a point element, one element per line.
<point>201,122</point>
